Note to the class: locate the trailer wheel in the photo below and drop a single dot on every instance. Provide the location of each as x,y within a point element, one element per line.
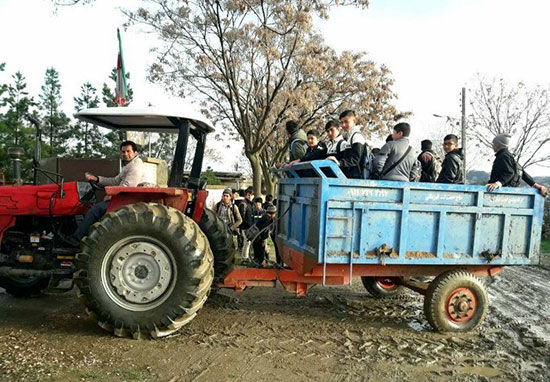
<point>456,301</point>
<point>382,287</point>
<point>221,242</point>
<point>144,271</point>
<point>24,286</point>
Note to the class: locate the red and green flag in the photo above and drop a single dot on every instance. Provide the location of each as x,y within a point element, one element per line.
<point>121,90</point>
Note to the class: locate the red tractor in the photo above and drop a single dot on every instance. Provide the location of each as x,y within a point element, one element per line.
<point>147,267</point>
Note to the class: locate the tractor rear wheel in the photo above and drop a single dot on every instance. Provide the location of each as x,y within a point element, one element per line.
<point>221,242</point>
<point>382,287</point>
<point>144,271</point>
<point>456,301</point>
<point>24,286</point>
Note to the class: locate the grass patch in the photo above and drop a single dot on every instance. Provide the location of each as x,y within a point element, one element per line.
<point>92,374</point>
<point>545,246</point>
<point>120,374</point>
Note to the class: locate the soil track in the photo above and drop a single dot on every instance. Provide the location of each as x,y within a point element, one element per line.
<point>336,333</point>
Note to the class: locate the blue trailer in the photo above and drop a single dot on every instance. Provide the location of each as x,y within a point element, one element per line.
<point>331,229</point>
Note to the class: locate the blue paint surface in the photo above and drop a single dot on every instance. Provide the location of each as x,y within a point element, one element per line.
<point>336,220</point>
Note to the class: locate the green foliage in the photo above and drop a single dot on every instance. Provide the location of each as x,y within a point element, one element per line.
<point>91,140</point>
<point>14,129</point>
<point>210,177</point>
<point>57,129</point>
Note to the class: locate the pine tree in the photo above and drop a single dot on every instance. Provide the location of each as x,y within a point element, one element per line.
<point>14,130</point>
<point>90,139</point>
<point>56,123</point>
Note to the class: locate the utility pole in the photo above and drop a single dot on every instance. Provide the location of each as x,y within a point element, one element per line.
<point>464,133</point>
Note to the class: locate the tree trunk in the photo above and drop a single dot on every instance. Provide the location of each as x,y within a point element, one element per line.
<point>270,185</point>
<point>256,172</point>
<point>269,180</point>
<point>86,154</point>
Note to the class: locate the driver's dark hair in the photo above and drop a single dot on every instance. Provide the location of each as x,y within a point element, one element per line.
<point>129,143</point>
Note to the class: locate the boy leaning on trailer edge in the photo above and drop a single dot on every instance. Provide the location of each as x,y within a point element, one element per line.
<point>506,172</point>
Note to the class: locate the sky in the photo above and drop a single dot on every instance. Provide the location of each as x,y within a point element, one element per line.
<point>432,47</point>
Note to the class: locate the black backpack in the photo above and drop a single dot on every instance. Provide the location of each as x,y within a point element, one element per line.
<point>367,160</point>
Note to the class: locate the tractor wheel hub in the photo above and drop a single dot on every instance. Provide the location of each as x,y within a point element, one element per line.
<point>140,272</point>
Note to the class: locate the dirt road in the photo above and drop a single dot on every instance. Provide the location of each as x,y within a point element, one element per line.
<point>336,333</point>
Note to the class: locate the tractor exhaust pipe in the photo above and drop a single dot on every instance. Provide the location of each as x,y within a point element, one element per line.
<point>16,153</point>
<point>37,148</point>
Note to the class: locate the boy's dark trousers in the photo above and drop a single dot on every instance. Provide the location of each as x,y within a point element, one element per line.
<point>258,246</point>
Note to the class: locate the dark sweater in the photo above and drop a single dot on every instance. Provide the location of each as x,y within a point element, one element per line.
<point>505,170</point>
<point>315,153</point>
<point>451,169</point>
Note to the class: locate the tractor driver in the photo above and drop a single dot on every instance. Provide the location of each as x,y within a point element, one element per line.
<point>131,175</point>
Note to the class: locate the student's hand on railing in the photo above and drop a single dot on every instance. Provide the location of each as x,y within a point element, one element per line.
<point>293,162</point>
<point>541,188</point>
<point>493,186</point>
<point>332,158</point>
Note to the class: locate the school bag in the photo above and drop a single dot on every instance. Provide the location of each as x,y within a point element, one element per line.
<point>366,162</point>
<point>436,166</point>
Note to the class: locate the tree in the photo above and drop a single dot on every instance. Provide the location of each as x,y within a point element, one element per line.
<point>90,140</point>
<point>14,131</point>
<point>521,111</point>
<point>56,123</point>
<point>256,64</point>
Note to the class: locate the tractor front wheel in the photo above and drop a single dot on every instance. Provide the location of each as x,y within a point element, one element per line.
<point>144,270</point>
<point>24,286</point>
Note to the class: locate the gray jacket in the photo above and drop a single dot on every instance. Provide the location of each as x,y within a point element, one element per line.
<point>132,174</point>
<point>408,170</point>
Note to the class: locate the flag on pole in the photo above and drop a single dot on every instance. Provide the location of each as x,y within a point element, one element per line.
<point>121,90</point>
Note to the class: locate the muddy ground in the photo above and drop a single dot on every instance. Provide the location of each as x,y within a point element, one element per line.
<point>336,333</point>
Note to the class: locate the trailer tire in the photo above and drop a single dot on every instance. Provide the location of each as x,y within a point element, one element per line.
<point>382,287</point>
<point>144,271</point>
<point>221,242</point>
<point>456,301</point>
<point>24,286</point>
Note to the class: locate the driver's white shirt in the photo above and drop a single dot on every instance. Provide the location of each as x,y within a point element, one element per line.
<point>132,174</point>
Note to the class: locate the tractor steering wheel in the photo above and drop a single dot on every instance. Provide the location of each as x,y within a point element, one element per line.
<point>96,186</point>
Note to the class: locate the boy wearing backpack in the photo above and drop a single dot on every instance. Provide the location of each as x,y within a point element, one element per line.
<point>350,158</point>
<point>228,211</point>
<point>335,140</point>
<point>297,141</point>
<point>396,160</point>
<point>430,162</point>
<point>506,172</point>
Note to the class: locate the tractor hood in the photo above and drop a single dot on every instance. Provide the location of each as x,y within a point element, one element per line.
<point>148,119</point>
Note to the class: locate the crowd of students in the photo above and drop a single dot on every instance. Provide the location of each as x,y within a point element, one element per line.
<point>396,160</point>
<point>251,220</point>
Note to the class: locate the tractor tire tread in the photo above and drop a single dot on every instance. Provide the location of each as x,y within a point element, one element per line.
<point>192,292</point>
